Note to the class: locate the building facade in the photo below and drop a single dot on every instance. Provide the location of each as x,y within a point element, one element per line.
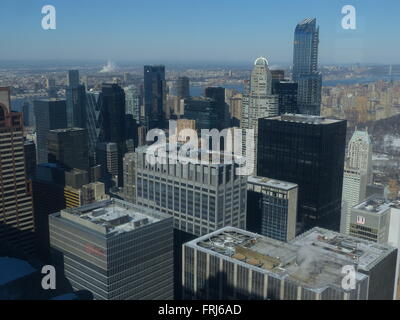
<point>359,153</point>
<point>17,224</point>
<point>116,250</point>
<point>354,192</point>
<point>305,67</point>
<point>235,264</point>
<point>201,197</point>
<point>50,114</point>
<point>261,103</point>
<point>155,97</point>
<point>308,151</point>
<point>69,147</point>
<point>272,208</point>
<point>371,220</point>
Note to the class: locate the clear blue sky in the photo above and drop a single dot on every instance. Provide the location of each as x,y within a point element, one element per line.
<point>197,30</point>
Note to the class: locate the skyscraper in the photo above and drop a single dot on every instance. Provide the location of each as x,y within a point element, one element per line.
<point>116,250</point>
<point>107,157</point>
<point>50,114</point>
<point>205,111</point>
<point>76,101</point>
<point>354,192</point>
<point>73,78</point>
<point>260,103</point>
<point>235,264</point>
<point>272,208</point>
<point>183,87</point>
<point>69,147</point>
<point>202,197</point>
<point>359,153</point>
<point>155,97</point>
<point>357,175</point>
<point>217,95</point>
<point>113,128</point>
<point>129,177</point>
<point>132,101</point>
<point>309,151</point>
<point>287,96</point>
<point>305,67</point>
<point>93,120</point>
<point>16,207</point>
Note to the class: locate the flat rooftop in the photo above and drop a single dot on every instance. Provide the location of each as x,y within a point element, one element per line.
<point>199,156</point>
<point>314,259</point>
<point>273,183</point>
<point>50,99</point>
<point>376,205</point>
<point>111,216</point>
<point>302,118</point>
<point>67,130</point>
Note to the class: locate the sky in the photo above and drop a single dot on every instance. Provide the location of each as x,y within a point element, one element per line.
<point>160,31</point>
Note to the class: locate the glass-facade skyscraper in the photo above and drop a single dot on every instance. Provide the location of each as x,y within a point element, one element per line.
<point>155,97</point>
<point>272,208</point>
<point>183,87</point>
<point>305,67</point>
<point>50,114</point>
<point>112,129</point>
<point>116,250</point>
<point>76,101</point>
<point>308,151</point>
<point>132,101</point>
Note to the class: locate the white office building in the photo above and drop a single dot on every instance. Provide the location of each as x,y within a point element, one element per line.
<point>354,192</point>
<point>202,197</point>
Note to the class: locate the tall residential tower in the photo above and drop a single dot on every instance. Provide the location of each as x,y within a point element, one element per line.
<point>305,67</point>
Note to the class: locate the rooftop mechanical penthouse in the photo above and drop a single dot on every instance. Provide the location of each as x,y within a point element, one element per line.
<point>235,264</point>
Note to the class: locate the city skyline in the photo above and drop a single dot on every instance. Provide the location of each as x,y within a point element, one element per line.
<point>199,150</point>
<point>130,35</point>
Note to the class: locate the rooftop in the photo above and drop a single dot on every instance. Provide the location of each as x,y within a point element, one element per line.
<point>262,181</point>
<point>315,259</point>
<point>67,130</point>
<point>303,118</point>
<point>374,204</point>
<point>194,156</point>
<point>360,135</point>
<point>111,216</point>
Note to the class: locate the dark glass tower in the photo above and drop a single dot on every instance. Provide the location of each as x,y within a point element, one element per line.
<point>204,111</point>
<point>69,147</point>
<point>305,67</point>
<point>287,96</point>
<point>183,87</point>
<point>113,121</point>
<point>73,78</point>
<point>50,114</point>
<point>76,101</point>
<point>217,95</point>
<point>155,96</point>
<point>309,151</point>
